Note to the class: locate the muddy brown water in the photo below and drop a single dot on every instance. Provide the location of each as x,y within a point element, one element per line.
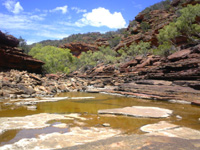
<point>88,109</point>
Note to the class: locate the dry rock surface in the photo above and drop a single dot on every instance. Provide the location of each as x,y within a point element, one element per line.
<point>76,136</point>
<point>28,122</point>
<point>164,128</point>
<point>139,111</point>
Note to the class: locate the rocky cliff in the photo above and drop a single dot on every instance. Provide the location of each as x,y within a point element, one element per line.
<point>78,47</point>
<point>12,57</point>
<point>146,25</point>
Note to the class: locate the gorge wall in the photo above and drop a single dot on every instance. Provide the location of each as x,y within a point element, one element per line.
<point>11,57</point>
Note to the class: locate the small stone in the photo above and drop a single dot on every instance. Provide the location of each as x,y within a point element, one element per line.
<point>25,96</point>
<point>106,125</point>
<point>13,96</point>
<point>29,103</point>
<point>31,107</point>
<point>61,125</point>
<point>178,117</point>
<point>7,104</point>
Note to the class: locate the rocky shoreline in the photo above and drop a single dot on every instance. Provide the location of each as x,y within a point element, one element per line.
<point>175,79</point>
<point>16,84</point>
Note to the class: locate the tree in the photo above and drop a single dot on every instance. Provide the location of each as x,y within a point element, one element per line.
<point>127,53</point>
<point>23,45</point>
<point>56,59</point>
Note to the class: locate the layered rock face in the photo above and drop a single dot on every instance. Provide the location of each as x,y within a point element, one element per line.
<point>181,65</point>
<point>175,78</point>
<point>77,48</point>
<point>12,57</point>
<point>155,20</point>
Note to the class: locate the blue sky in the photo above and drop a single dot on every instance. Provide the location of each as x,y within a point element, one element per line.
<point>37,20</point>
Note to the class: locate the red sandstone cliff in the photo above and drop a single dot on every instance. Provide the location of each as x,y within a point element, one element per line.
<point>12,57</point>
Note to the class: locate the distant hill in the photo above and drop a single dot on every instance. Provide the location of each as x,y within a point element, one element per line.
<point>145,27</point>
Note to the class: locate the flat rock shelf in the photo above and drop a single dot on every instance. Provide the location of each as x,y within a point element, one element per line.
<point>139,111</point>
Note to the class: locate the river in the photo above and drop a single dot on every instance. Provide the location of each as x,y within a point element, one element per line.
<point>183,114</point>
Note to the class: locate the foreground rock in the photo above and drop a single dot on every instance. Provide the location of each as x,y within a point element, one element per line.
<point>140,142</point>
<point>76,136</point>
<point>138,111</point>
<point>28,122</point>
<point>166,129</point>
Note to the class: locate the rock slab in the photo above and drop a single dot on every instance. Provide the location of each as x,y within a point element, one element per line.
<point>139,111</point>
<point>164,128</point>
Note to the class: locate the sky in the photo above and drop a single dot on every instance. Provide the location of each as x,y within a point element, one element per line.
<point>37,20</point>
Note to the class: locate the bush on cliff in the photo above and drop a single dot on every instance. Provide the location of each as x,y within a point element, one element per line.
<point>128,53</point>
<point>90,59</point>
<point>56,59</point>
<point>185,26</point>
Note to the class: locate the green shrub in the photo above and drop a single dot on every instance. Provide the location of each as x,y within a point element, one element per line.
<point>184,26</point>
<point>164,49</point>
<point>145,26</point>
<point>55,59</point>
<point>114,41</point>
<point>90,59</point>
<point>128,53</point>
<point>132,23</point>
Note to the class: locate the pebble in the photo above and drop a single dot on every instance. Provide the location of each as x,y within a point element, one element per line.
<point>178,117</point>
<point>31,107</point>
<point>106,125</point>
<point>7,104</point>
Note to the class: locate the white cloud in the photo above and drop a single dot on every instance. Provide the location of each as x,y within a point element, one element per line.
<point>102,17</point>
<point>29,42</point>
<point>37,10</point>
<point>15,22</point>
<point>37,17</point>
<point>78,10</point>
<point>51,35</point>
<point>63,9</point>
<point>13,6</point>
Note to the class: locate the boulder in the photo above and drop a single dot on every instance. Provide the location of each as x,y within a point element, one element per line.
<point>139,17</point>
<point>179,55</point>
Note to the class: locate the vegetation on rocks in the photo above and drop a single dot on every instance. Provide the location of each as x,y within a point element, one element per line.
<point>185,26</point>
<point>163,5</point>
<point>56,59</point>
<point>183,29</point>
